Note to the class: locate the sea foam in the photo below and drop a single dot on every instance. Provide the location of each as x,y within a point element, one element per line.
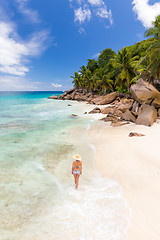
<point>38,199</point>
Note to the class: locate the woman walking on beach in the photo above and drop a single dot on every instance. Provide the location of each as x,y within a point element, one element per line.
<point>77,169</point>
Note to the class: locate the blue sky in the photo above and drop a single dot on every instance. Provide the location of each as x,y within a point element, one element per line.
<point>42,43</point>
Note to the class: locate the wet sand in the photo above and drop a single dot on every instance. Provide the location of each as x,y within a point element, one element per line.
<point>134,162</point>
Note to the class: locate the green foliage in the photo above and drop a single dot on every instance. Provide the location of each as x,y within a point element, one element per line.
<point>116,72</point>
<point>92,65</point>
<point>105,56</point>
<point>123,69</point>
<point>153,52</point>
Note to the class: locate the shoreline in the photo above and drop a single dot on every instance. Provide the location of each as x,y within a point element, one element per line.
<point>134,164</point>
<point>110,189</point>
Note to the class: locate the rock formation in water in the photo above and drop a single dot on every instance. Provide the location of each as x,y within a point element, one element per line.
<point>141,107</point>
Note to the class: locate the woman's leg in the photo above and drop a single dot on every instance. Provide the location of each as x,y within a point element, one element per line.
<point>74,178</point>
<point>77,180</point>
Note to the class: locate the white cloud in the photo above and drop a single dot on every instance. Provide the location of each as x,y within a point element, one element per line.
<point>82,14</point>
<point>15,53</point>
<point>38,42</point>
<point>13,83</point>
<point>18,70</point>
<point>95,2</point>
<point>56,85</point>
<point>103,13</point>
<point>85,9</point>
<point>31,14</point>
<point>146,13</point>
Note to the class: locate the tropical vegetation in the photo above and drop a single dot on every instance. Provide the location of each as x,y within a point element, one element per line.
<point>117,71</point>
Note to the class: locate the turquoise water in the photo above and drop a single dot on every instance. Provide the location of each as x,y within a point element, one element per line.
<point>38,137</point>
<point>28,121</point>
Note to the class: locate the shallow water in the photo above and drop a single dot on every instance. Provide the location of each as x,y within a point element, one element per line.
<point>37,197</point>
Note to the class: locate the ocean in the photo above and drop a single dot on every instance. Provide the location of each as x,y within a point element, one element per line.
<point>38,201</point>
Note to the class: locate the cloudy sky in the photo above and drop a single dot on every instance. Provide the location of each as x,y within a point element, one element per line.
<point>42,43</point>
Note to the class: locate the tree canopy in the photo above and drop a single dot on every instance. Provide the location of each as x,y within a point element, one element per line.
<point>117,71</point>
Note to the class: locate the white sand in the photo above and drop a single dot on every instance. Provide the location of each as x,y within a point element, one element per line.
<point>135,164</point>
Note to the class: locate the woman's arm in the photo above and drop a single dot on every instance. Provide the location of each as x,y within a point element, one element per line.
<point>81,168</point>
<point>72,167</point>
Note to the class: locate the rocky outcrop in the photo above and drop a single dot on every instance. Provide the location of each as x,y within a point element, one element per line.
<point>147,115</point>
<point>52,97</point>
<point>74,94</point>
<point>156,103</point>
<point>108,110</point>
<point>144,92</point>
<point>118,113</point>
<point>128,116</point>
<point>68,97</point>
<point>110,118</point>
<point>135,107</point>
<point>68,92</point>
<point>125,104</point>
<point>83,95</point>
<point>102,100</point>
<point>141,107</point>
<point>95,110</point>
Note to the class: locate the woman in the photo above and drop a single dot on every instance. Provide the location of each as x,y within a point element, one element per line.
<point>77,169</point>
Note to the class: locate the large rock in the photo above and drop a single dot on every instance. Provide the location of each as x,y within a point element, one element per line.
<point>67,92</point>
<point>135,107</point>
<point>147,115</point>
<point>110,118</point>
<point>108,110</point>
<point>115,102</point>
<point>128,116</point>
<point>118,113</point>
<point>73,95</point>
<point>125,104</point>
<point>144,92</point>
<point>90,98</point>
<point>102,100</point>
<point>79,97</point>
<point>67,97</point>
<point>52,97</point>
<point>156,103</point>
<point>95,110</point>
<point>97,98</point>
<point>89,94</point>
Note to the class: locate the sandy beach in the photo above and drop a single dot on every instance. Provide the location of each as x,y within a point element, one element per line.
<point>134,163</point>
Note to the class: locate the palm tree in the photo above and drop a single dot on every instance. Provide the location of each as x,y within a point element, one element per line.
<point>82,70</point>
<point>101,80</point>
<point>153,52</point>
<point>123,69</point>
<point>92,65</point>
<point>87,79</point>
<point>155,30</point>
<point>77,80</point>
